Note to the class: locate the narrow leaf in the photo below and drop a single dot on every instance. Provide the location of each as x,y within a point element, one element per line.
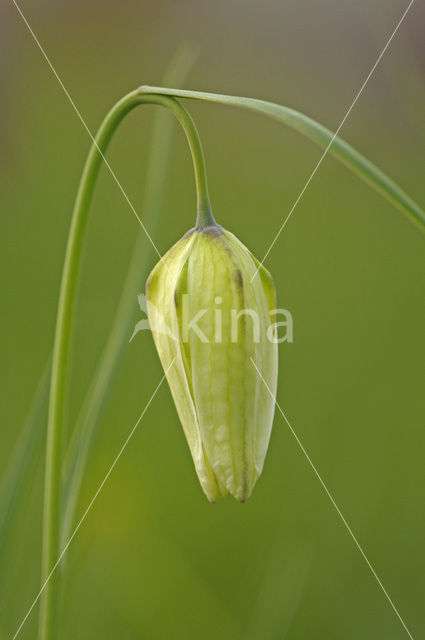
<point>344,152</point>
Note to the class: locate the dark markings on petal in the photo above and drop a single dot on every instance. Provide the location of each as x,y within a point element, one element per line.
<point>245,493</point>
<point>238,279</point>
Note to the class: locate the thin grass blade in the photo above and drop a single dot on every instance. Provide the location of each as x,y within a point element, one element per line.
<point>344,152</point>
<point>22,466</point>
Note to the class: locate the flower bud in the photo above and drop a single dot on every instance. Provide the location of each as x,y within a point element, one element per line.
<point>210,324</point>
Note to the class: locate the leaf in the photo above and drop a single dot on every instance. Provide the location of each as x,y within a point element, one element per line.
<point>344,152</point>
<point>22,464</point>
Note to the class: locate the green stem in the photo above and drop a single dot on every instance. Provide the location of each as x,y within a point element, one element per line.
<point>87,424</point>
<point>319,134</point>
<point>64,324</point>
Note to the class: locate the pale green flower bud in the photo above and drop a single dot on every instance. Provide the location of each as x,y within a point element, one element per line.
<point>207,315</point>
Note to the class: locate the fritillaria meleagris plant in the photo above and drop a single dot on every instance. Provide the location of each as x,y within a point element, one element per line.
<point>223,387</point>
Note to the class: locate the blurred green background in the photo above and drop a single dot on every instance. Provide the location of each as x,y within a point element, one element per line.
<point>154,559</point>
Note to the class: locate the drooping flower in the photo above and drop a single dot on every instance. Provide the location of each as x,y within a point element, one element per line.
<point>210,306</point>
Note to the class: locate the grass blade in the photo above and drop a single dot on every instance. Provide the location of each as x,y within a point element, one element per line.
<point>344,152</point>
<point>22,465</point>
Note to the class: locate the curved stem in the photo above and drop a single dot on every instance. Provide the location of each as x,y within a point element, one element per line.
<point>205,217</point>
<point>344,152</point>
<point>87,424</point>
<point>64,323</point>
